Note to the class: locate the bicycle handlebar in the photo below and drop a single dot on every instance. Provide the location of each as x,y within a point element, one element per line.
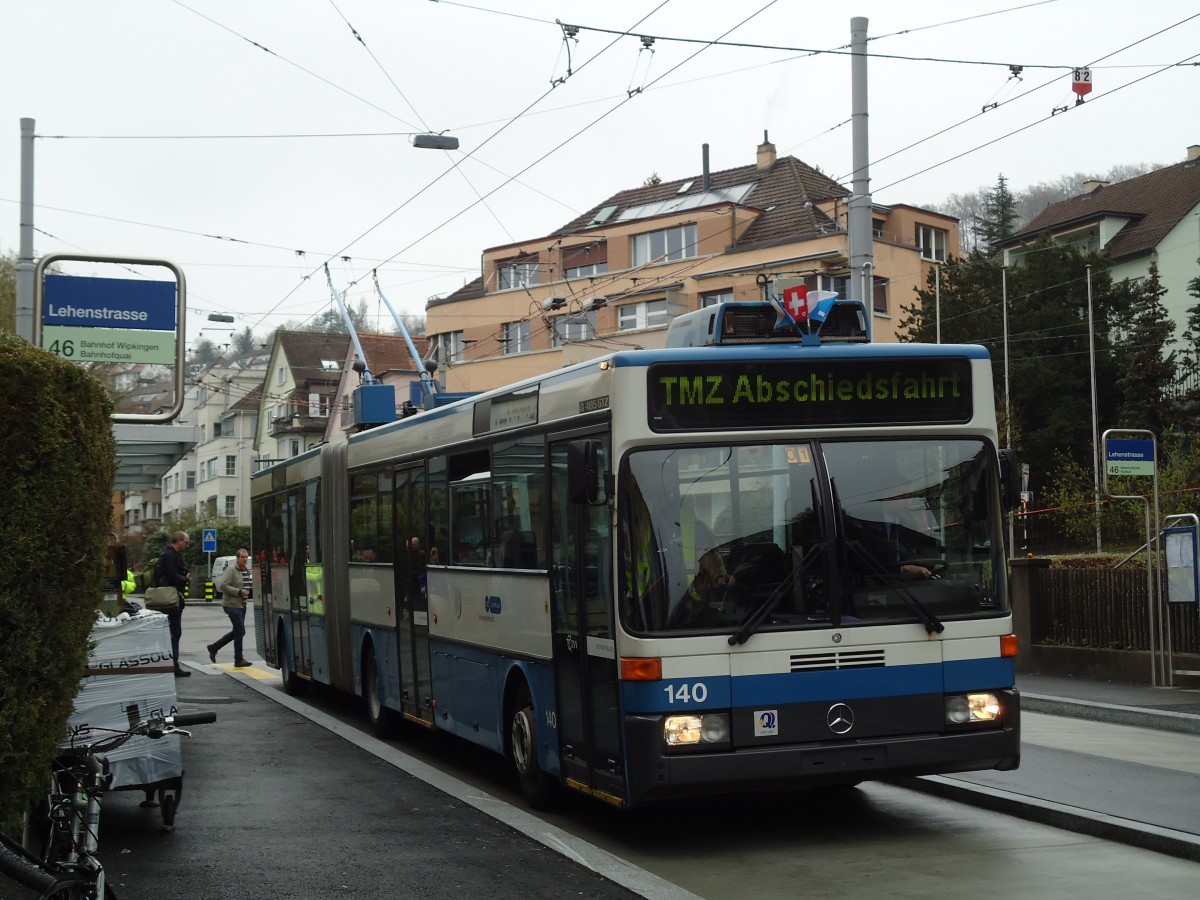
<point>200,718</point>
<point>18,866</point>
<point>156,726</point>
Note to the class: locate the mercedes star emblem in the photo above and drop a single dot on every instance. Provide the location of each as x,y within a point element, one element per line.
<point>840,718</point>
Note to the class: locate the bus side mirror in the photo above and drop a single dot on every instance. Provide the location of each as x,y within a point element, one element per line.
<point>583,471</point>
<point>1010,480</point>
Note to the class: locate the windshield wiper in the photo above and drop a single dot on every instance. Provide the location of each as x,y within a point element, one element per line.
<point>931,622</point>
<point>764,609</point>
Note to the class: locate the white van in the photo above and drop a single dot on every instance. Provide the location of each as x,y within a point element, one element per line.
<point>220,564</point>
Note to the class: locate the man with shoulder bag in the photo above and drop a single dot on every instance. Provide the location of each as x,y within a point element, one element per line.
<point>170,572</point>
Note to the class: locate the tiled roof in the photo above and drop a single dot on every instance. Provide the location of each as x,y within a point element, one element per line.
<point>389,353</point>
<point>1154,203</point>
<point>786,192</point>
<point>305,350</point>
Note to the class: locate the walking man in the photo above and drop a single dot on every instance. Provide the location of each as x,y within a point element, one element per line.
<point>171,572</point>
<point>235,591</point>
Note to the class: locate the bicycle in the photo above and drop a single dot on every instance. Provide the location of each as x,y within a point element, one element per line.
<point>65,829</point>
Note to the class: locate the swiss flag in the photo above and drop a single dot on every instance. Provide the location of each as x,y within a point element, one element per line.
<point>795,303</point>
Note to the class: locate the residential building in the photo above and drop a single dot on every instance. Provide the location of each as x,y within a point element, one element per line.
<point>1154,218</point>
<point>299,393</point>
<point>142,510</point>
<point>389,362</point>
<point>213,478</point>
<point>615,276</point>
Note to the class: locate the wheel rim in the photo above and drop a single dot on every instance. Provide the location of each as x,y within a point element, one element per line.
<point>522,741</point>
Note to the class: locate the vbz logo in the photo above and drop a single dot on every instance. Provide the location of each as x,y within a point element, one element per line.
<point>492,605</point>
<point>766,723</point>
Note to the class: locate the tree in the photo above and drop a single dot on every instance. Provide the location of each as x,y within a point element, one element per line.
<point>1147,369</point>
<point>333,322</point>
<point>1189,364</point>
<point>8,293</point>
<point>999,216</point>
<point>414,322</point>
<point>244,343</point>
<point>203,352</point>
<point>1049,391</point>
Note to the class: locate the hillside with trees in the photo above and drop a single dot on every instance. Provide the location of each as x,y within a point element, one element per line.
<point>978,219</point>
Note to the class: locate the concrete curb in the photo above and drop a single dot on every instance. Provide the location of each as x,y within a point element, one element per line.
<point>1100,825</point>
<point>1140,717</point>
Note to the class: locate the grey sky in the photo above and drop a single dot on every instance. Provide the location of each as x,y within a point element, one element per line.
<point>126,82</point>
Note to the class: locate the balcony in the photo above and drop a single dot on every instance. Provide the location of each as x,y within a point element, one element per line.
<point>290,424</point>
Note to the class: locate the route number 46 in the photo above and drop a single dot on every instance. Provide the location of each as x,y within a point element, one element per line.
<point>63,348</point>
<point>686,693</point>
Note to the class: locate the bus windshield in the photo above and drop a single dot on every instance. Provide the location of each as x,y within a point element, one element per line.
<point>812,534</point>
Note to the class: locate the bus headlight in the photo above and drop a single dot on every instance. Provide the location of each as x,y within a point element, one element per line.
<point>965,709</point>
<point>686,731</point>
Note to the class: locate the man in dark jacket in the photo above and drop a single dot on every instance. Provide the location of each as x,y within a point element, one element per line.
<point>171,572</point>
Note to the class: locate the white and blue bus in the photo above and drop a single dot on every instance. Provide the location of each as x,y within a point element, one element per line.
<point>753,559</point>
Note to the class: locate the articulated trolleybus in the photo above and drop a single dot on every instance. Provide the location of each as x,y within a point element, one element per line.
<point>753,559</point>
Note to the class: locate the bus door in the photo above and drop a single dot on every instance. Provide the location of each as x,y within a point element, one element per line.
<point>288,563</point>
<point>585,663</point>
<point>412,615</point>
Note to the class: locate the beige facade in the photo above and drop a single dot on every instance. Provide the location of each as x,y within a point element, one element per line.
<point>614,278</point>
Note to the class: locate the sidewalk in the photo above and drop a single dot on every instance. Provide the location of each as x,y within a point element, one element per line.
<point>1116,702</point>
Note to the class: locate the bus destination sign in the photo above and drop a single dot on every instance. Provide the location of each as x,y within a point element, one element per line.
<point>697,396</point>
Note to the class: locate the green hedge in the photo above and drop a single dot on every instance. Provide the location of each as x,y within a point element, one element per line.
<point>59,465</point>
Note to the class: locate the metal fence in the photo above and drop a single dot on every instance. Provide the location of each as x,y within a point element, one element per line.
<point>1105,609</point>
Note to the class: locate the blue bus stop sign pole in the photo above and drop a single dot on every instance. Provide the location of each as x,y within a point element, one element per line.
<point>208,543</point>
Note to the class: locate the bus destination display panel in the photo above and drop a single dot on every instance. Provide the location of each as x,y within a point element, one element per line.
<point>698,396</point>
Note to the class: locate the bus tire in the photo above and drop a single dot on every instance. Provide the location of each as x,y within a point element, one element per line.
<point>293,684</point>
<point>539,789</point>
<point>384,721</point>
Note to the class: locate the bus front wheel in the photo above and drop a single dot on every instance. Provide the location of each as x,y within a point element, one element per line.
<point>538,788</point>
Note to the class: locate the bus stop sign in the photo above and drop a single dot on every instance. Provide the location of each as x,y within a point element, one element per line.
<point>1126,457</point>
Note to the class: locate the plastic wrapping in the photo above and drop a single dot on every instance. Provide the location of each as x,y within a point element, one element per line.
<point>129,675</point>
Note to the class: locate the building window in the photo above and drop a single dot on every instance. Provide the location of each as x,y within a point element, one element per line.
<point>203,433</point>
<point>586,271</point>
<point>450,347</point>
<point>516,337</point>
<point>208,469</point>
<point>646,314</point>
<point>190,484</point>
<point>932,242</point>
<point>712,298</point>
<point>664,246</point>
<point>516,274</point>
<point>230,465</point>
<point>281,375</point>
<point>581,327</point>
<point>586,260</point>
<point>216,430</point>
<point>230,506</point>
<point>880,298</point>
<point>839,284</point>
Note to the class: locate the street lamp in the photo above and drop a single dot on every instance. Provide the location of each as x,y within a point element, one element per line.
<point>435,142</point>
